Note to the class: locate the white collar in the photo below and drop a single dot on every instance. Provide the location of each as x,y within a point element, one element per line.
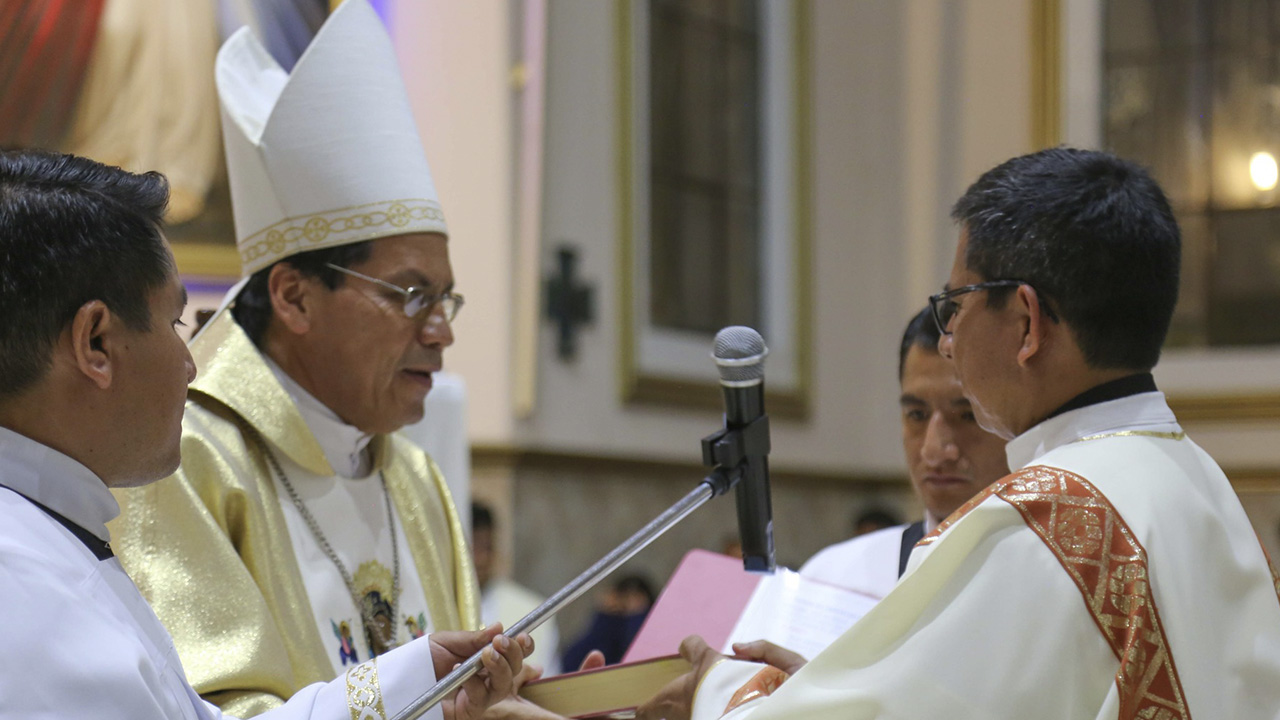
<point>56,481</point>
<point>345,446</point>
<point>930,522</point>
<point>1145,411</point>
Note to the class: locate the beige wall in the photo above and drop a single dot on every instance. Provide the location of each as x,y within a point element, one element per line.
<point>906,112</point>
<point>455,61</point>
<point>912,99</point>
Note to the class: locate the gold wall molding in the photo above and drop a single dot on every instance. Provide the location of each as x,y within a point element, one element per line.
<point>645,389</point>
<point>486,458</point>
<point>1254,480</point>
<point>1260,406</point>
<point>1046,73</point>
<point>207,259</point>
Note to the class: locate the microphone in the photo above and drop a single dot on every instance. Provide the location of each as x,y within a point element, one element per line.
<point>739,355</point>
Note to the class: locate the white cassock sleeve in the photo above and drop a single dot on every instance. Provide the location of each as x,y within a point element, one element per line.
<point>372,690</point>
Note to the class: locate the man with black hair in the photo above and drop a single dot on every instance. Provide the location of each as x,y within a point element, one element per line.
<point>302,534</point>
<point>949,460</point>
<point>1114,573</point>
<point>93,376</point>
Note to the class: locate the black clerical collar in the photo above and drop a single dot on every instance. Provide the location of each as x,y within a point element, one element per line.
<point>1108,391</point>
<point>100,548</point>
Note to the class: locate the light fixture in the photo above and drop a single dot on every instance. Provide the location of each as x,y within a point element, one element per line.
<point>1263,171</point>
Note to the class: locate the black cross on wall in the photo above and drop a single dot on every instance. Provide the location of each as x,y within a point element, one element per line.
<point>570,303</point>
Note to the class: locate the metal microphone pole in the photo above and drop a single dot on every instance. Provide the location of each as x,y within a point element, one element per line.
<point>718,482</point>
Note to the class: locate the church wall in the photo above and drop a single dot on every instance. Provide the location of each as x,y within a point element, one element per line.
<point>911,101</point>
<point>906,112</point>
<point>455,60</point>
<point>867,122</point>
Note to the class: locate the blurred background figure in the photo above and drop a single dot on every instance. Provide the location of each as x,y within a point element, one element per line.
<point>874,519</point>
<point>506,601</point>
<point>620,612</point>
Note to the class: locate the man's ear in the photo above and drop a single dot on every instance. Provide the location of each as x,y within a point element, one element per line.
<point>95,336</point>
<point>1031,314</point>
<point>291,298</point>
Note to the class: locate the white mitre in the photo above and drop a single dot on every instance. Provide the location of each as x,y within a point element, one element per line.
<point>328,155</point>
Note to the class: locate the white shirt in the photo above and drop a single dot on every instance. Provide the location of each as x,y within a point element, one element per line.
<point>867,563</point>
<point>81,642</point>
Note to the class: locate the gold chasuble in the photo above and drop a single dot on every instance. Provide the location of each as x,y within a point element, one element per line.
<point>210,549</point>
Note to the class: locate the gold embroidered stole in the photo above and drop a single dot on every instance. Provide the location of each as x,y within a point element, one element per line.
<point>1100,553</point>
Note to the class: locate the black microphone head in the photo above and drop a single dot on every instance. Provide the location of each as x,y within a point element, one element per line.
<point>739,355</point>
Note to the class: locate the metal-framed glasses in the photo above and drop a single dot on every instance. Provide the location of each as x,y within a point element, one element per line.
<point>417,302</point>
<point>943,305</point>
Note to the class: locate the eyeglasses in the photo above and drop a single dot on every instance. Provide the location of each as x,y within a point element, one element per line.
<point>416,300</point>
<point>944,307</point>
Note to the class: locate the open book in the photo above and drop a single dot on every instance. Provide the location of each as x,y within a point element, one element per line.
<point>709,595</point>
<point>610,692</point>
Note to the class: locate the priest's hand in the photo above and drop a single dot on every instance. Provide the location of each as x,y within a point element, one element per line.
<point>502,661</point>
<point>675,701</point>
<point>763,651</point>
<point>517,708</point>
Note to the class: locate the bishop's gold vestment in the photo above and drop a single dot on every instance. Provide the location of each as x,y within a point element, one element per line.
<point>210,550</point>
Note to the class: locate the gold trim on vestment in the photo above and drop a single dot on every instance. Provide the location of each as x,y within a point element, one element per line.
<point>1101,554</point>
<point>364,695</point>
<point>1104,559</point>
<point>1175,435</point>
<point>340,226</point>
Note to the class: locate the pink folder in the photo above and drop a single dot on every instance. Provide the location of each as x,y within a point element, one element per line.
<point>705,596</point>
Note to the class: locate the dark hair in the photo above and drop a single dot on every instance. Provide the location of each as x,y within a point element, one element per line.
<point>922,331</point>
<point>481,517</point>
<point>878,517</point>
<point>71,231</point>
<point>252,309</point>
<point>1093,234</point>
<point>636,583</point>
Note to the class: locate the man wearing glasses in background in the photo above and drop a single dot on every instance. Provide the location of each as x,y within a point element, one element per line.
<point>301,535</point>
<point>1114,573</point>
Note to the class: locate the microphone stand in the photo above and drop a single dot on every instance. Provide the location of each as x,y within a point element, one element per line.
<point>726,450</point>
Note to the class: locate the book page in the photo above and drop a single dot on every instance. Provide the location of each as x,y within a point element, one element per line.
<point>797,613</point>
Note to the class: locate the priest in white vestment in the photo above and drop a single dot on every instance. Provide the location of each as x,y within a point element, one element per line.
<point>949,460</point>
<point>303,535</point>
<point>1114,574</point>
<point>93,376</point>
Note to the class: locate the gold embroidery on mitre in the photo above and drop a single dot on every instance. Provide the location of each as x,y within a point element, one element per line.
<point>1109,566</point>
<point>364,695</point>
<point>340,226</point>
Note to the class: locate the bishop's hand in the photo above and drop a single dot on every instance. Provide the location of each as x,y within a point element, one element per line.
<point>502,661</point>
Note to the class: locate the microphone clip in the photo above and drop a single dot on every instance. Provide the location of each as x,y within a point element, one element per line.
<point>727,450</point>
